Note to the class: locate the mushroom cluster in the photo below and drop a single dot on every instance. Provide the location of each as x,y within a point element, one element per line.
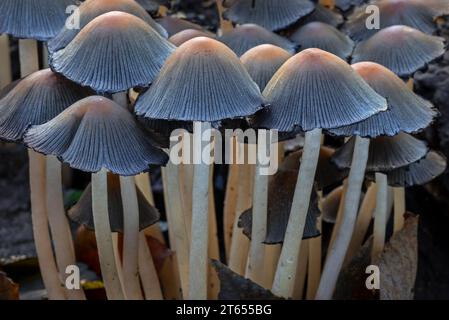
<point>132,89</point>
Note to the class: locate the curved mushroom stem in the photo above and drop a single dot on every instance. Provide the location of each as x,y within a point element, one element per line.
<point>59,226</point>
<point>200,215</point>
<point>336,253</point>
<point>5,61</point>
<point>399,208</point>
<point>103,235</point>
<point>314,266</point>
<point>148,274</point>
<point>230,202</point>
<point>49,271</point>
<point>284,279</point>
<point>131,284</point>
<point>380,215</point>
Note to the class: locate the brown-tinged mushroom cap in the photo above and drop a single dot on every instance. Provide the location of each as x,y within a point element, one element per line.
<point>316,89</point>
<point>325,37</point>
<point>270,14</point>
<point>35,100</point>
<point>323,14</point>
<point>401,49</point>
<point>33,19</point>
<point>188,34</point>
<point>91,9</point>
<point>263,61</point>
<point>114,52</point>
<point>281,190</point>
<point>418,14</point>
<point>82,212</point>
<point>97,133</point>
<point>418,173</point>
<point>247,36</point>
<point>203,80</point>
<point>406,112</point>
<point>385,153</point>
<point>327,173</point>
<point>174,25</point>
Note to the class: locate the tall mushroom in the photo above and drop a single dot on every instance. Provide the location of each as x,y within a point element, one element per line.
<point>96,135</point>
<point>302,95</point>
<point>202,81</point>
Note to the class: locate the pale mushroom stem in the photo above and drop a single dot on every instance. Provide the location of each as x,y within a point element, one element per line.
<point>255,270</point>
<point>380,215</point>
<point>200,215</point>
<point>399,208</point>
<point>213,248</point>
<point>131,283</point>
<point>103,235</point>
<point>59,225</point>
<point>301,271</point>
<point>314,266</point>
<point>29,63</point>
<point>148,274</point>
<point>272,253</point>
<point>5,61</point>
<point>336,253</point>
<point>42,241</point>
<point>284,279</point>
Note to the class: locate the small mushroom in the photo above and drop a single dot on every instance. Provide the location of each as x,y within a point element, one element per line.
<point>175,25</point>
<point>325,15</point>
<point>248,36</point>
<point>188,34</point>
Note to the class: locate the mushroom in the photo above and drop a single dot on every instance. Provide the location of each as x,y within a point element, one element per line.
<point>185,35</point>
<point>401,49</point>
<point>302,95</point>
<point>325,37</point>
<point>269,14</point>
<point>325,15</point>
<point>139,52</point>
<point>209,64</point>
<point>43,19</point>
<point>174,25</point>
<point>35,100</point>
<point>91,9</point>
<point>247,36</point>
<point>96,135</point>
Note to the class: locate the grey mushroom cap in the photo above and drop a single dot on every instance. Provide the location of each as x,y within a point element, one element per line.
<point>174,25</point>
<point>33,19</point>
<point>417,14</point>
<point>406,112</point>
<point>35,100</point>
<point>97,133</point>
<point>281,190</point>
<point>401,49</point>
<point>385,153</point>
<point>90,9</point>
<point>82,212</point>
<point>247,36</point>
<point>202,80</point>
<point>325,15</point>
<point>270,14</point>
<point>303,94</point>
<point>138,55</point>
<point>418,173</point>
<point>325,37</point>
<point>188,34</point>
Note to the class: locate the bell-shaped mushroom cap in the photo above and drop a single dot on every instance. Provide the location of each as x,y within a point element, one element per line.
<point>188,34</point>
<point>270,14</point>
<point>407,111</point>
<point>162,130</point>
<point>91,9</point>
<point>418,14</point>
<point>327,174</point>
<point>248,36</point>
<point>202,80</point>
<point>345,5</point>
<point>385,153</point>
<point>97,133</point>
<point>114,52</point>
<point>174,25</point>
<point>401,49</point>
<point>323,14</point>
<point>281,189</point>
<point>82,212</point>
<point>325,37</point>
<point>33,19</point>
<point>35,100</point>
<point>7,89</point>
<point>263,61</point>
<point>418,173</point>
<point>316,89</point>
